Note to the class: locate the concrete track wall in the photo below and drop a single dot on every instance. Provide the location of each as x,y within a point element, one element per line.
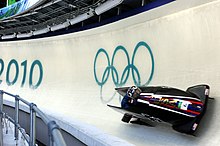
<point>74,75</point>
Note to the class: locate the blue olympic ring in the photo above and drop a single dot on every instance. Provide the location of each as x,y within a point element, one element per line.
<point>126,72</point>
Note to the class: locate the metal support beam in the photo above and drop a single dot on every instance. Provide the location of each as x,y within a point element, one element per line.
<point>16,116</point>
<point>32,125</point>
<point>1,116</point>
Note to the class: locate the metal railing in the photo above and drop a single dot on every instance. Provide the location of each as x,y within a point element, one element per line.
<point>54,133</point>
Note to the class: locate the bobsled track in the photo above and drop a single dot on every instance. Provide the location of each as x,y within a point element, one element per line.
<point>72,77</point>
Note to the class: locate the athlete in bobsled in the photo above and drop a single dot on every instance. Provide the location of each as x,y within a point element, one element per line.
<point>131,96</point>
<point>183,109</point>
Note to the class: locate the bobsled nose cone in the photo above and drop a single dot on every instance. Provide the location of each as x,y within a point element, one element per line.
<point>122,90</point>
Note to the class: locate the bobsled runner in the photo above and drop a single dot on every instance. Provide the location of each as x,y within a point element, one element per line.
<point>182,109</point>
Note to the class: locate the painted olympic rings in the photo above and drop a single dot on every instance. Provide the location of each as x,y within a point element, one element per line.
<point>110,68</point>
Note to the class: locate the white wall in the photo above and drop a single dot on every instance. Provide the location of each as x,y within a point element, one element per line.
<point>185,49</point>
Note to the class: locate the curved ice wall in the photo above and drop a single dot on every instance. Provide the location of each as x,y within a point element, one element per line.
<point>75,75</point>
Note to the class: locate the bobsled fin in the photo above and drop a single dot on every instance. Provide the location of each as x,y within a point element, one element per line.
<point>200,91</point>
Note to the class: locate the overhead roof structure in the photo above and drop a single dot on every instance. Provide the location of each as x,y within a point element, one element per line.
<point>52,15</point>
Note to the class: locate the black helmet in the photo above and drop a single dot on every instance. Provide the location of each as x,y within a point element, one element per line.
<point>132,90</point>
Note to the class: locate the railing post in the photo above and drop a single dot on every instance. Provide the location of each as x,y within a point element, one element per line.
<point>1,104</point>
<point>32,125</point>
<point>50,126</point>
<point>1,116</point>
<point>16,116</point>
<point>55,136</point>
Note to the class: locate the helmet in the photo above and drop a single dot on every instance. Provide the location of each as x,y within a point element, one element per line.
<point>133,91</point>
